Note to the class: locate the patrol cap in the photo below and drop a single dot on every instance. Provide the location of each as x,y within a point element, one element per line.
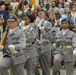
<point>40,10</point>
<point>51,19</point>
<point>11,16</point>
<point>2,3</point>
<point>65,20</point>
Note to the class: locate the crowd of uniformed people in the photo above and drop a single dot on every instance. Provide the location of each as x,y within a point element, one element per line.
<point>42,35</point>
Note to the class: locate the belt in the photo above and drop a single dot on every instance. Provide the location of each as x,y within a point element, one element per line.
<point>42,40</point>
<point>27,44</point>
<point>65,46</point>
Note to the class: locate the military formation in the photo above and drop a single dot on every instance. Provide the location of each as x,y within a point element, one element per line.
<point>36,41</point>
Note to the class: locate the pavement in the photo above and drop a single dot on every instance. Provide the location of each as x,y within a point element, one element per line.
<point>63,72</point>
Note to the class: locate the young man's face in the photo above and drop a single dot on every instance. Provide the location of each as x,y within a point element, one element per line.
<point>11,23</point>
<point>65,25</point>
<point>52,22</point>
<point>67,10</point>
<point>57,16</point>
<point>41,4</point>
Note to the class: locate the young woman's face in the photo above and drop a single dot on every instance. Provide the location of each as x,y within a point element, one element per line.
<point>27,20</point>
<point>1,21</point>
<point>60,6</point>
<point>52,22</point>
<point>41,14</point>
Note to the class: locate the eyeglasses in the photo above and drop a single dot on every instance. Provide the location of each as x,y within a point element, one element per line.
<point>10,22</point>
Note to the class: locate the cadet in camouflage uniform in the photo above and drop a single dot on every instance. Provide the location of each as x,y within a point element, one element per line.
<point>53,32</point>
<point>65,44</point>
<point>15,43</point>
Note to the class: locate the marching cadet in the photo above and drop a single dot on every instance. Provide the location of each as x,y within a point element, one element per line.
<point>65,44</point>
<point>74,53</point>
<point>52,21</point>
<point>42,42</point>
<point>15,43</point>
<point>1,27</point>
<point>30,50</point>
<point>53,32</point>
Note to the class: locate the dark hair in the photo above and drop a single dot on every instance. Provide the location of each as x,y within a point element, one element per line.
<point>41,1</point>
<point>2,3</point>
<point>30,15</point>
<point>74,5</point>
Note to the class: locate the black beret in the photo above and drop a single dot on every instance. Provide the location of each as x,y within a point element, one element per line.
<point>65,20</point>
<point>2,3</point>
<point>51,19</point>
<point>11,16</point>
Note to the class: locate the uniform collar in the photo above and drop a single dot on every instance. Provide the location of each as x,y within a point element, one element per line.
<point>12,31</point>
<point>64,32</point>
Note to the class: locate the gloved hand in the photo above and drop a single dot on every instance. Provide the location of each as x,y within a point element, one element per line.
<point>54,45</point>
<point>1,47</point>
<point>74,52</point>
<point>12,49</point>
<point>23,28</point>
<point>22,23</point>
<point>41,27</point>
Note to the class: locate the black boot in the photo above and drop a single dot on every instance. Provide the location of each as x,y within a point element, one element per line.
<point>56,73</point>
